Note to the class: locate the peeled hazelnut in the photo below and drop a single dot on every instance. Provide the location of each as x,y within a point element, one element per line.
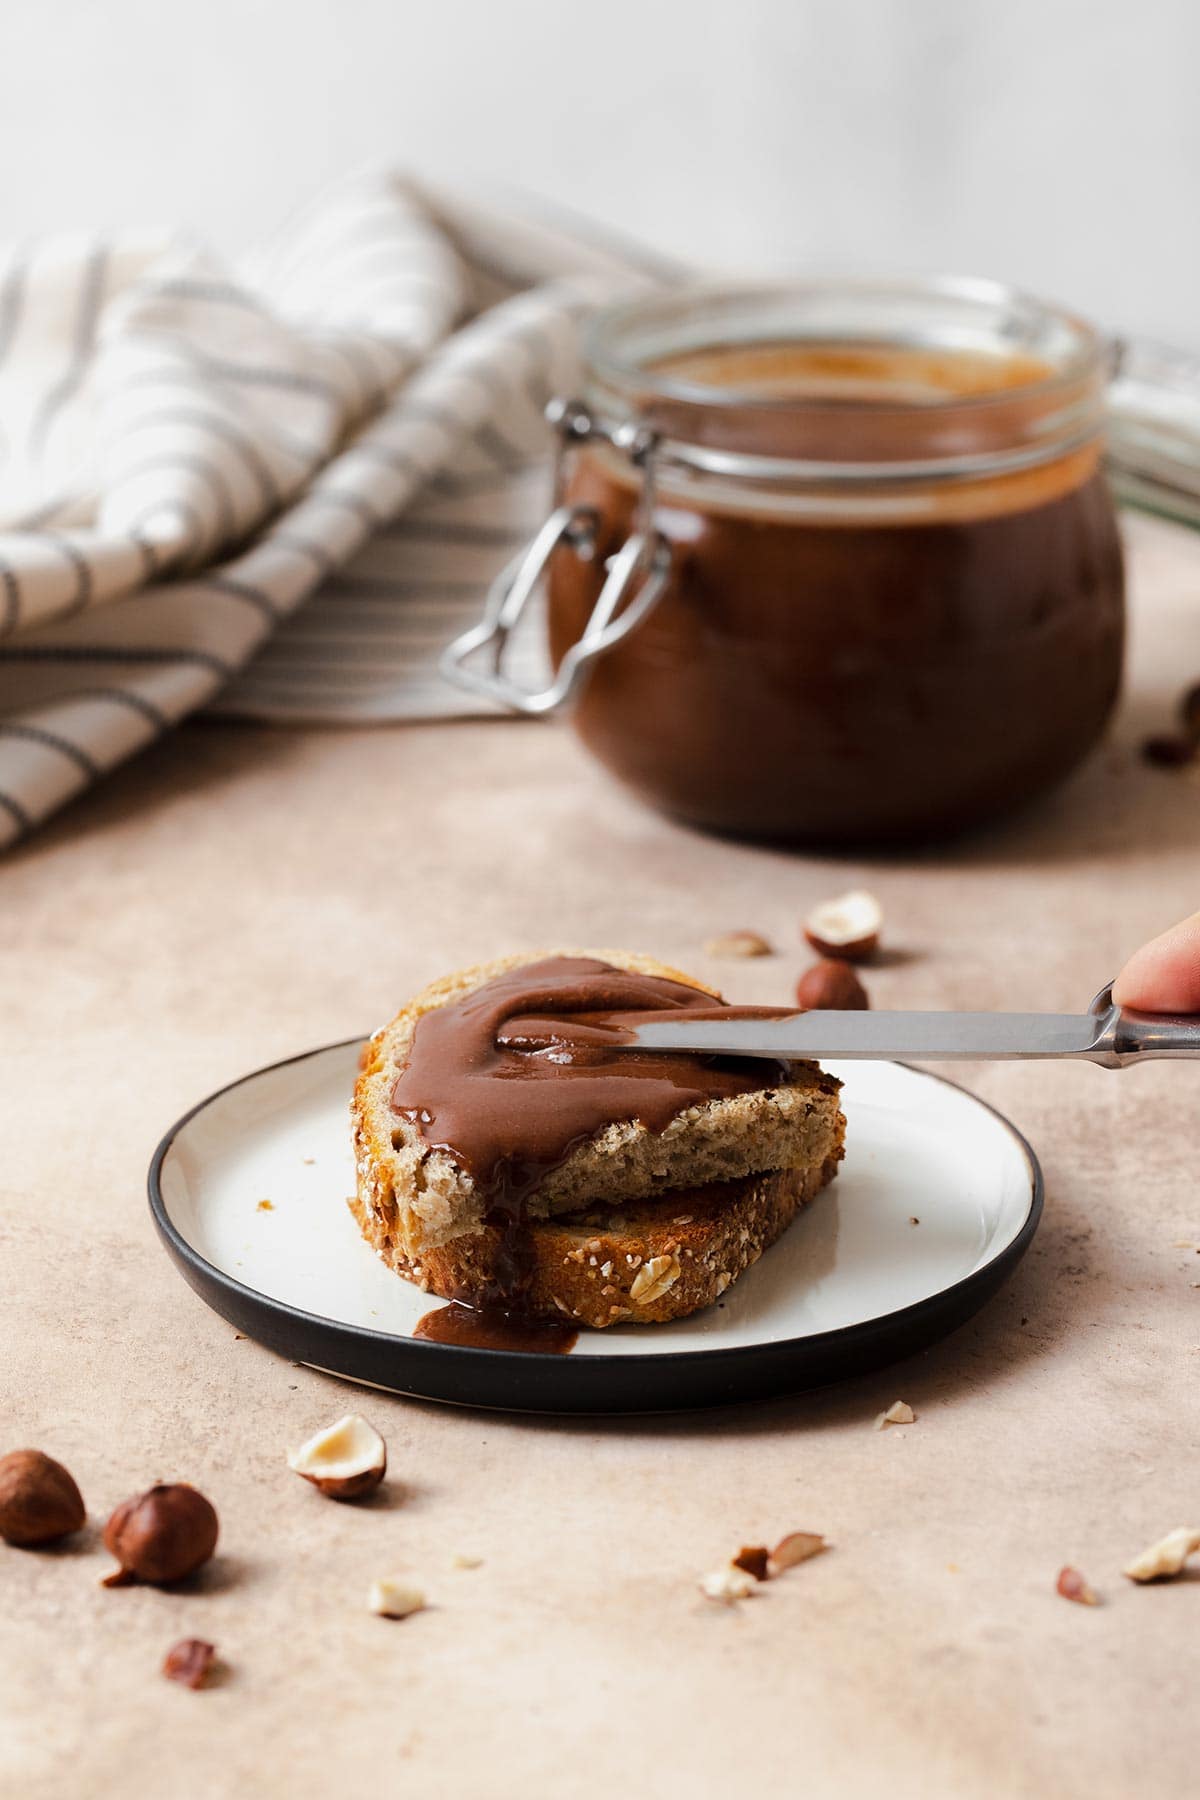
<point>345,1460</point>
<point>39,1500</point>
<point>738,943</point>
<point>831,987</point>
<point>161,1535</point>
<point>1072,1586</point>
<point>898,1413</point>
<point>395,1597</point>
<point>189,1661</point>
<point>847,927</point>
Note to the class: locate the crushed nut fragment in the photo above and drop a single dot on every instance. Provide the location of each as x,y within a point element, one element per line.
<point>795,1548</point>
<point>189,1662</point>
<point>738,943</point>
<point>461,1561</point>
<point>395,1597</point>
<point>898,1413</point>
<point>654,1278</point>
<point>727,1585</point>
<point>754,1559</point>
<point>1165,1558</point>
<point>1072,1586</point>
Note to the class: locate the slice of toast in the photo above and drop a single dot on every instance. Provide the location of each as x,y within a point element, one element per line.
<point>645,1263</point>
<point>413,1198</point>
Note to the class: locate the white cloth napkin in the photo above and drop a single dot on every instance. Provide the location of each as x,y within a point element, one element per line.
<point>189,451</point>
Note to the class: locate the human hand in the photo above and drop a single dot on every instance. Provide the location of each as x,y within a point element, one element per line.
<point>1164,975</point>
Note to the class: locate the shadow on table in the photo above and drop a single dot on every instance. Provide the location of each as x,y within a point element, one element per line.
<point>1052,1296</point>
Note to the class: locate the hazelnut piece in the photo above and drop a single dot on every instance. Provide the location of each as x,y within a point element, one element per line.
<point>847,927</point>
<point>189,1661</point>
<point>898,1413</point>
<point>39,1501</point>
<point>727,1585</point>
<point>395,1597</point>
<point>737,943</point>
<point>795,1548</point>
<point>831,986</point>
<point>161,1535</point>
<point>1073,1586</point>
<point>753,1558</point>
<point>345,1460</point>
<point>1165,1558</point>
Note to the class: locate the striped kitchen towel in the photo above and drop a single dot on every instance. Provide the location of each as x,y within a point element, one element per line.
<point>189,452</point>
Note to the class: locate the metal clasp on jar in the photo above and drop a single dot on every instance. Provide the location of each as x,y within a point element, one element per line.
<point>634,577</point>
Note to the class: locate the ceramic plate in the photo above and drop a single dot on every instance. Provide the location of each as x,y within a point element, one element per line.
<point>249,1191</point>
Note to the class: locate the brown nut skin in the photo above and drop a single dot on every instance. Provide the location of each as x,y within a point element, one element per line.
<point>161,1535</point>
<point>831,986</point>
<point>39,1501</point>
<point>348,1487</point>
<point>857,950</point>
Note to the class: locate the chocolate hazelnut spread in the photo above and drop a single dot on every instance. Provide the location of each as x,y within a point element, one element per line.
<point>507,1114</point>
<point>508,1079</point>
<point>874,661</point>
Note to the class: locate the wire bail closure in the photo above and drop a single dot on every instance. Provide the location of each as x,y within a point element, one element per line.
<point>634,577</point>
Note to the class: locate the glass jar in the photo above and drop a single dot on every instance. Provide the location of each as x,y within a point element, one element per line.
<point>833,561</point>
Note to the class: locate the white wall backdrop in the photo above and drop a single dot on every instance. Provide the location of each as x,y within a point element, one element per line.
<point>1053,142</point>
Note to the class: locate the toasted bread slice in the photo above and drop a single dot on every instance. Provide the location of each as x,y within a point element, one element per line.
<point>648,1262</point>
<point>413,1198</point>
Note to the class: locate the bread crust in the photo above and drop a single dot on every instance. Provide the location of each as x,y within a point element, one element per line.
<point>642,1265</point>
<point>413,1199</point>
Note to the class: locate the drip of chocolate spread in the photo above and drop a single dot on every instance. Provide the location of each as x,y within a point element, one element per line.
<point>508,1112</point>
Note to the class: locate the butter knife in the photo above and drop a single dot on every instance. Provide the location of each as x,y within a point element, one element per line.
<point>1107,1034</point>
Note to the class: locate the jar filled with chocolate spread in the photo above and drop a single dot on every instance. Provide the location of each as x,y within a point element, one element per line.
<point>834,562</point>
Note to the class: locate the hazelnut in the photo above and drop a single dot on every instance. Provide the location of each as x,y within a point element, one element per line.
<point>161,1535</point>
<point>345,1460</point>
<point>738,943</point>
<point>847,927</point>
<point>39,1500</point>
<point>795,1548</point>
<point>1072,1586</point>
<point>189,1661</point>
<point>831,986</point>
<point>395,1597</point>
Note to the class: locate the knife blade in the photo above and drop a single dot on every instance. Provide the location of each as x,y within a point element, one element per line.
<point>919,1036</point>
<point>1109,1035</point>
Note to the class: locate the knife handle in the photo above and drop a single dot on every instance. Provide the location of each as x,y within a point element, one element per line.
<point>1126,1037</point>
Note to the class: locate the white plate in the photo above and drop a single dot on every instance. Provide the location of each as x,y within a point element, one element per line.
<point>249,1191</point>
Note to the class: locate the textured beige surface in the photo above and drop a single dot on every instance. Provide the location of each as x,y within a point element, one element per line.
<point>238,895</point>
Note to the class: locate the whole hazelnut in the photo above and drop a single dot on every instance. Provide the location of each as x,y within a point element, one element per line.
<point>39,1500</point>
<point>161,1535</point>
<point>831,986</point>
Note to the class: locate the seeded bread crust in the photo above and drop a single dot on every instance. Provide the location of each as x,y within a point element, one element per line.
<point>651,1262</point>
<point>412,1199</point>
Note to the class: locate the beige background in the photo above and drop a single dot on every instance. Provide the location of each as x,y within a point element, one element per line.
<point>240,894</point>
